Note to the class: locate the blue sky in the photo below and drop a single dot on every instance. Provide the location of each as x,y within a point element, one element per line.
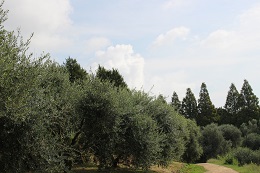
<point>160,46</point>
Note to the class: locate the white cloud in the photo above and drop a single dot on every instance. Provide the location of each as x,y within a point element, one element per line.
<point>96,43</point>
<point>172,35</point>
<point>159,82</point>
<point>174,3</point>
<point>123,58</point>
<point>249,20</point>
<point>243,37</point>
<point>227,54</point>
<point>48,19</point>
<point>220,39</point>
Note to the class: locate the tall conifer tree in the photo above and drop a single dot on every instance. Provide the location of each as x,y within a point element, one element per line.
<point>229,113</point>
<point>189,105</point>
<point>206,110</point>
<point>231,104</point>
<point>76,72</point>
<point>113,76</point>
<point>176,102</point>
<point>248,104</point>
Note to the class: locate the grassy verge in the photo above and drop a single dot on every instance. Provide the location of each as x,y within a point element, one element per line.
<point>251,168</point>
<point>175,167</point>
<point>119,170</point>
<point>190,168</point>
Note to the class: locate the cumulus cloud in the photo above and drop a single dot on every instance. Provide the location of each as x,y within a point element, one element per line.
<point>172,35</point>
<point>221,39</point>
<point>227,54</point>
<point>159,82</point>
<point>96,43</point>
<point>48,19</point>
<point>245,36</point>
<point>123,58</point>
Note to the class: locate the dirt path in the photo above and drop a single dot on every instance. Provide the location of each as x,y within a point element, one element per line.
<point>212,168</point>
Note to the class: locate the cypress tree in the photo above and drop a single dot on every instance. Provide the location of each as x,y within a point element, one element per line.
<point>76,72</point>
<point>206,110</point>
<point>113,76</point>
<point>231,106</point>
<point>189,105</point>
<point>248,104</point>
<point>176,102</point>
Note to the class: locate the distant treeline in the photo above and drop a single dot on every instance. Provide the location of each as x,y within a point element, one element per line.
<point>239,107</point>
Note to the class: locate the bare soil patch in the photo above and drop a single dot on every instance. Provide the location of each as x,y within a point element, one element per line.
<point>212,168</point>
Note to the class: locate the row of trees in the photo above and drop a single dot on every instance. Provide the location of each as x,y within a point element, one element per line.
<point>239,107</point>
<point>49,121</point>
<point>234,144</point>
<point>53,115</point>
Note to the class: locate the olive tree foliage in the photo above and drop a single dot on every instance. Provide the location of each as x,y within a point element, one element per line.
<point>172,127</point>
<point>36,104</point>
<point>247,156</point>
<point>252,126</point>
<point>193,148</point>
<point>213,142</point>
<point>37,118</point>
<point>15,77</point>
<point>129,127</point>
<point>251,134</point>
<point>54,116</point>
<point>250,150</point>
<point>252,141</point>
<point>231,133</point>
<point>116,129</point>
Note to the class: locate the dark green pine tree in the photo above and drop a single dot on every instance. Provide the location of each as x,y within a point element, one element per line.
<point>161,98</point>
<point>113,76</point>
<point>231,106</point>
<point>176,102</point>
<point>248,104</point>
<point>206,110</point>
<point>76,72</point>
<point>189,105</point>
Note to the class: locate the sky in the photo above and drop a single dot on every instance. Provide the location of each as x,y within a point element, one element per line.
<point>159,46</point>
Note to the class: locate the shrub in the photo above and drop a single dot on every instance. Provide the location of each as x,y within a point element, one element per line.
<point>244,156</point>
<point>231,133</point>
<point>213,142</point>
<point>173,128</point>
<point>193,147</point>
<point>251,127</point>
<point>252,141</point>
<point>230,159</point>
<point>256,157</point>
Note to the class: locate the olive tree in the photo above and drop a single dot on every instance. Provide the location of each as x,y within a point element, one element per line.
<point>36,108</point>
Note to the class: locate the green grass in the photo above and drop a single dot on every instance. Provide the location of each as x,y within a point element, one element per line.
<point>174,167</point>
<point>191,168</point>
<point>118,170</point>
<point>251,168</point>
